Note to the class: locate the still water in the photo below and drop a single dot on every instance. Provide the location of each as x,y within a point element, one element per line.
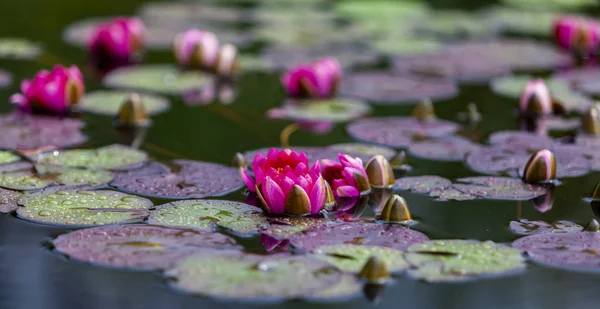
<point>32,276</point>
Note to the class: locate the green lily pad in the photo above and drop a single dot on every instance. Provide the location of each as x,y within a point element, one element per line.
<point>17,48</point>
<point>381,9</point>
<point>23,181</point>
<point>348,287</point>
<point>522,22</point>
<point>459,260</point>
<point>73,176</point>
<point>113,157</point>
<point>234,275</point>
<point>544,5</point>
<point>208,214</point>
<point>334,110</point>
<point>7,157</point>
<point>254,64</point>
<point>159,78</point>
<point>8,200</point>
<point>351,258</point>
<point>107,102</point>
<point>456,24</point>
<point>83,208</point>
<point>407,46</point>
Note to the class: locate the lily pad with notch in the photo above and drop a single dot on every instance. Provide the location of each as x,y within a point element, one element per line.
<point>423,184</point>
<point>527,227</point>
<point>351,258</point>
<point>335,110</point>
<point>107,102</point>
<point>140,247</point>
<point>74,177</point>
<point>159,78</point>
<point>18,48</point>
<point>83,208</point>
<point>24,132</point>
<point>113,157</point>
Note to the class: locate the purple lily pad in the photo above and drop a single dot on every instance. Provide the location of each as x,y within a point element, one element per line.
<point>285,58</point>
<point>574,250</point>
<point>8,200</point>
<point>521,140</point>
<point>581,79</point>
<point>398,132</point>
<point>194,179</point>
<point>31,132</point>
<point>561,124</point>
<point>423,184</point>
<point>5,78</point>
<point>387,89</point>
<point>451,193</point>
<point>498,188</point>
<point>358,233</point>
<point>590,87</point>
<point>447,149</point>
<point>137,246</point>
<point>526,227</point>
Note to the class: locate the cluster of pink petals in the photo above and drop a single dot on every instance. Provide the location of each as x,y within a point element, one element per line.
<point>201,49</point>
<point>341,175</point>
<point>577,34</point>
<point>319,79</point>
<point>536,92</point>
<point>118,40</point>
<point>51,92</point>
<point>278,173</point>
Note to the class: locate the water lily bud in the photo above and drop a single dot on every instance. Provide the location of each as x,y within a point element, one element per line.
<point>374,271</point>
<point>380,172</point>
<point>590,121</point>
<point>228,62</point>
<point>132,112</point>
<point>424,111</point>
<point>592,226</point>
<point>395,210</point>
<point>297,202</point>
<point>536,98</point>
<point>239,161</point>
<point>196,48</point>
<point>541,167</point>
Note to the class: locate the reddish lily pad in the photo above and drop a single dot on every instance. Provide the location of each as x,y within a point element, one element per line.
<point>571,250</point>
<point>106,102</point>
<point>159,78</point>
<point>526,227</point>
<point>31,132</point>
<point>113,157</point>
<point>423,184</point>
<point>398,132</point>
<point>498,188</point>
<point>192,179</point>
<point>358,233</point>
<point>385,88</point>
<point>8,200</point>
<point>334,110</point>
<point>561,124</point>
<point>351,258</point>
<point>234,275</point>
<point>521,139</point>
<point>18,48</point>
<point>208,214</point>
<point>83,208</point>
<point>446,149</point>
<point>137,246</point>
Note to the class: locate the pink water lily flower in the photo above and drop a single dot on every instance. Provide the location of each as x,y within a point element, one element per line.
<point>347,177</point>
<point>51,92</point>
<point>118,40</point>
<point>285,184</point>
<point>196,48</point>
<point>319,79</point>
<point>536,98</point>
<point>577,34</point>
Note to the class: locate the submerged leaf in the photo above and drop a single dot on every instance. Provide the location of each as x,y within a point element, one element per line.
<point>351,258</point>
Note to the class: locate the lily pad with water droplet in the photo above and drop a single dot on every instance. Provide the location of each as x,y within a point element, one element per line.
<point>18,48</point>
<point>460,260</point>
<point>156,78</point>
<point>83,208</point>
<point>387,89</point>
<point>192,179</point>
<point>358,233</point>
<point>113,157</point>
<point>577,250</point>
<point>31,132</point>
<point>398,132</point>
<point>143,247</point>
<point>452,148</point>
<point>423,184</point>
<point>351,258</point>
<point>335,110</point>
<point>208,214</point>
<point>8,200</point>
<point>451,193</point>
<point>73,176</point>
<point>235,275</point>
<point>23,181</point>
<point>285,227</point>
<point>526,227</point>
<point>498,188</point>
<point>106,102</point>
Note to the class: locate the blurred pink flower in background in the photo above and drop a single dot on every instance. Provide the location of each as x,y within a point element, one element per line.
<point>319,79</point>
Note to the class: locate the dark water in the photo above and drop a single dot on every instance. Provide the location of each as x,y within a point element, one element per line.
<point>31,276</point>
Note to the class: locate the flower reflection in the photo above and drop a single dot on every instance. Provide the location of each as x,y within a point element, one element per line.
<point>544,203</point>
<point>217,91</point>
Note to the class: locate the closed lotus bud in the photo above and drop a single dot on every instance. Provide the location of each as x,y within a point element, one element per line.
<point>297,202</point>
<point>424,111</point>
<point>536,98</point>
<point>330,199</point>
<point>132,112</point>
<point>228,62</point>
<point>196,48</point>
<point>374,271</point>
<point>395,210</point>
<point>592,226</point>
<point>590,121</point>
<point>380,172</point>
<point>239,161</point>
<point>541,167</point>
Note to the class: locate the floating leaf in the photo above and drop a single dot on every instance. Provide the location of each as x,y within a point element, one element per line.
<point>106,102</point>
<point>407,46</point>
<point>423,184</point>
<point>193,179</point>
<point>522,22</point>
<point>573,250</point>
<point>137,246</point>
<point>364,151</point>
<point>351,258</point>
<point>81,208</point>
<point>335,110</point>
<point>285,227</point>
<point>526,227</point>
<point>75,177</point>
<point>348,57</point>
<point>108,157</point>
<point>459,260</point>
<point>18,48</point>
<point>23,181</point>
<point>561,124</point>
<point>32,132</point>
<point>451,193</point>
<point>521,139</point>
<point>348,287</point>
<point>381,9</point>
<point>234,275</point>
<point>385,88</point>
<point>446,149</point>
<point>543,5</point>
<point>498,188</point>
<point>189,13</point>
<point>455,24</point>
<point>7,157</point>
<point>8,200</point>
<point>207,214</point>
<point>398,132</point>
<point>156,78</point>
<point>357,233</point>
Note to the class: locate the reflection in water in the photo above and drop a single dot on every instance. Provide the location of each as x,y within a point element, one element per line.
<point>544,203</point>
<point>218,90</point>
<point>374,292</point>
